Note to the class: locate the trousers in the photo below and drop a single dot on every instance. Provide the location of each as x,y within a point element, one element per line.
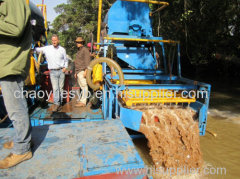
<point>16,106</point>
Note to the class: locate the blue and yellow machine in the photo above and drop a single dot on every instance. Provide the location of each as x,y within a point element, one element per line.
<point>94,143</point>
<point>142,78</point>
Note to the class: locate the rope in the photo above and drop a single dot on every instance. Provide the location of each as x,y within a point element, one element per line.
<point>3,119</point>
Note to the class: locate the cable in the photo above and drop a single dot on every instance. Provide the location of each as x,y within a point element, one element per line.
<point>4,119</point>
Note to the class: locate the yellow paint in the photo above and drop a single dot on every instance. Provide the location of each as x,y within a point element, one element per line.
<point>135,82</point>
<point>149,1</point>
<point>99,23</point>
<point>45,19</point>
<point>133,97</point>
<point>37,64</point>
<point>97,74</point>
<point>31,80</point>
<point>44,7</point>
<point>140,40</point>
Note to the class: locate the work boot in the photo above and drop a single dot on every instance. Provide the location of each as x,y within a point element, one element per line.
<point>8,145</point>
<point>80,104</point>
<point>54,107</point>
<point>14,159</point>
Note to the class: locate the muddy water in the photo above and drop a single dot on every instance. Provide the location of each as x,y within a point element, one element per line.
<point>224,120</point>
<point>173,136</point>
<point>223,150</point>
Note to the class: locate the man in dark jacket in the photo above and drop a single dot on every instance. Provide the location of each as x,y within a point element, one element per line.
<point>81,63</point>
<point>15,44</point>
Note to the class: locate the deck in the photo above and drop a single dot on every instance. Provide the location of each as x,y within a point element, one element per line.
<point>74,150</point>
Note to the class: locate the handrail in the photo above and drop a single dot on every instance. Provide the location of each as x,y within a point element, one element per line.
<point>99,23</point>
<point>44,11</point>
<point>140,40</point>
<point>149,1</point>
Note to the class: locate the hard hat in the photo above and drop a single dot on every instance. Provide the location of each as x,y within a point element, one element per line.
<point>90,44</point>
<point>79,39</point>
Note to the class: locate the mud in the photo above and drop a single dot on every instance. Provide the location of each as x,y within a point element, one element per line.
<point>173,136</point>
<point>70,111</point>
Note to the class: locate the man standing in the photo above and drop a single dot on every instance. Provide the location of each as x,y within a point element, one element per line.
<point>81,63</point>
<point>15,44</point>
<point>57,64</point>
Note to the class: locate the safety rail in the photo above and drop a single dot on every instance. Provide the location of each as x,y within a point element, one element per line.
<point>44,11</point>
<point>149,2</point>
<point>140,40</point>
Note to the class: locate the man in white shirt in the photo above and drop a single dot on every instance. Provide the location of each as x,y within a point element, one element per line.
<point>57,64</point>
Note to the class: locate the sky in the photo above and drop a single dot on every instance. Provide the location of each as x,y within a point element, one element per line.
<point>51,14</point>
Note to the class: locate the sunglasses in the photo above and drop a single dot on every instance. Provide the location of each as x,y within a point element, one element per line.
<point>79,42</point>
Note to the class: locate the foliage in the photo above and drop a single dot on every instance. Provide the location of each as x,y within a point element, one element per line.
<point>206,28</point>
<point>77,18</point>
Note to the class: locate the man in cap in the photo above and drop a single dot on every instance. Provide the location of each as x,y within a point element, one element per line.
<point>15,45</point>
<point>57,64</point>
<point>81,63</point>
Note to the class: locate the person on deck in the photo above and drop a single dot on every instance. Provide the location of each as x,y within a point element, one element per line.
<point>81,63</point>
<point>57,64</point>
<point>15,46</point>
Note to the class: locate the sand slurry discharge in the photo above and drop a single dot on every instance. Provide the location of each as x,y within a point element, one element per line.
<point>173,136</point>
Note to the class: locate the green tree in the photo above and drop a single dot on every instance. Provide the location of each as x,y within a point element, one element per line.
<point>204,27</point>
<point>78,18</point>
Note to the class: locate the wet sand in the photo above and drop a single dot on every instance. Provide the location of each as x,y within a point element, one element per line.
<point>222,151</point>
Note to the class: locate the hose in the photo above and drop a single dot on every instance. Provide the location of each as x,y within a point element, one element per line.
<point>38,62</point>
<point>110,63</point>
<point>212,133</point>
<point>3,119</point>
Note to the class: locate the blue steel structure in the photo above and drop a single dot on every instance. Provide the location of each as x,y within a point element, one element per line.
<point>127,22</point>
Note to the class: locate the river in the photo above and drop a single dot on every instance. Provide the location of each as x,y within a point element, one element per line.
<point>224,120</point>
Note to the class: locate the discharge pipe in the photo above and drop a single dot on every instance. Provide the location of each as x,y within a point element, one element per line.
<point>110,63</point>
